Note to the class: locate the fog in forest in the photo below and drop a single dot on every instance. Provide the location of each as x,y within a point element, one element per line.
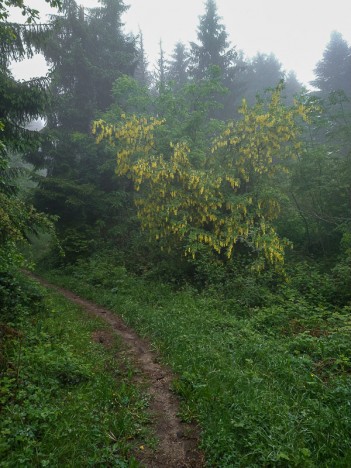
<point>175,234</point>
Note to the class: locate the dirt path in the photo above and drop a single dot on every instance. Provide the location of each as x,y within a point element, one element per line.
<point>178,442</point>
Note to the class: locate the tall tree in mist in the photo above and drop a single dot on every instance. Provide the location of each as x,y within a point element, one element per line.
<point>161,70</point>
<point>213,47</point>
<point>178,66</point>
<point>265,72</point>
<point>87,52</point>
<point>213,50</point>
<point>142,74</point>
<point>20,102</point>
<point>333,72</point>
<point>293,87</point>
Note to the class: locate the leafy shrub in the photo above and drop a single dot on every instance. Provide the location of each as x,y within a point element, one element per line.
<point>341,273</point>
<point>311,283</point>
<point>18,296</point>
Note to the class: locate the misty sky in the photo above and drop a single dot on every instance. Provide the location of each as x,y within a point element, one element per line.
<point>296,32</point>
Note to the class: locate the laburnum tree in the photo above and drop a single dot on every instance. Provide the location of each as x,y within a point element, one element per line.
<point>225,200</point>
<point>187,114</point>
<point>187,110</point>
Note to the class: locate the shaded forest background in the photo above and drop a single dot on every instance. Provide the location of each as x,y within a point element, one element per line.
<point>98,72</point>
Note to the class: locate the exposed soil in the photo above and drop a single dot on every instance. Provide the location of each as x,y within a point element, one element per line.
<point>177,442</point>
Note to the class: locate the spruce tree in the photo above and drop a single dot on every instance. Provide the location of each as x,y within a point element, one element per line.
<point>293,87</point>
<point>213,48</point>
<point>333,72</point>
<point>161,71</point>
<point>87,52</point>
<point>264,72</point>
<point>142,74</point>
<point>214,52</point>
<point>20,102</point>
<point>178,66</point>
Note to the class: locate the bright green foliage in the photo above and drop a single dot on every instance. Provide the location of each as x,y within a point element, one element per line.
<point>269,384</point>
<point>17,221</point>
<point>223,199</point>
<point>321,181</point>
<point>63,397</point>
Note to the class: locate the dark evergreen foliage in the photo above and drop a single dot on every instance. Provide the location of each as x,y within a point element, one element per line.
<point>141,73</point>
<point>264,72</point>
<point>87,52</point>
<point>214,50</point>
<point>178,66</point>
<point>20,102</point>
<point>160,75</point>
<point>333,72</point>
<point>213,47</point>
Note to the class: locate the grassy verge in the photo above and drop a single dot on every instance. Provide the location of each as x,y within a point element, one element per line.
<point>65,399</point>
<point>269,386</point>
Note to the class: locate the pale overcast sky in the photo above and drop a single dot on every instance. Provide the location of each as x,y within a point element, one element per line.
<point>297,32</point>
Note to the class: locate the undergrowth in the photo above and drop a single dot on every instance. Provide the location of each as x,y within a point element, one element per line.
<point>65,400</point>
<point>269,384</point>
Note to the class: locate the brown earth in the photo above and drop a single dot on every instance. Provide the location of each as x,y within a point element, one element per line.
<point>177,442</point>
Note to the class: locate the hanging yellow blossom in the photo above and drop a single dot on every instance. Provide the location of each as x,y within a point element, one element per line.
<point>227,199</point>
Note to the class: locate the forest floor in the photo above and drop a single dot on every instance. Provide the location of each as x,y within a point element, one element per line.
<point>267,385</point>
<point>177,441</point>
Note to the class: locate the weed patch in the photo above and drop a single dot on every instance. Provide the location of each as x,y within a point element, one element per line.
<point>269,385</point>
<point>65,399</point>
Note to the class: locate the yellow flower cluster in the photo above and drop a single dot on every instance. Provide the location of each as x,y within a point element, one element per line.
<point>223,204</point>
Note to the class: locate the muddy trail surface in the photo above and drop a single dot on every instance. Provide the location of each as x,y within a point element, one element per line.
<point>177,441</point>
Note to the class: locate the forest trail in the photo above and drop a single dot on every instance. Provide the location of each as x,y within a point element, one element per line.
<point>177,441</point>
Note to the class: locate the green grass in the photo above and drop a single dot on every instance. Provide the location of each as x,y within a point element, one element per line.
<point>64,399</point>
<point>269,386</point>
